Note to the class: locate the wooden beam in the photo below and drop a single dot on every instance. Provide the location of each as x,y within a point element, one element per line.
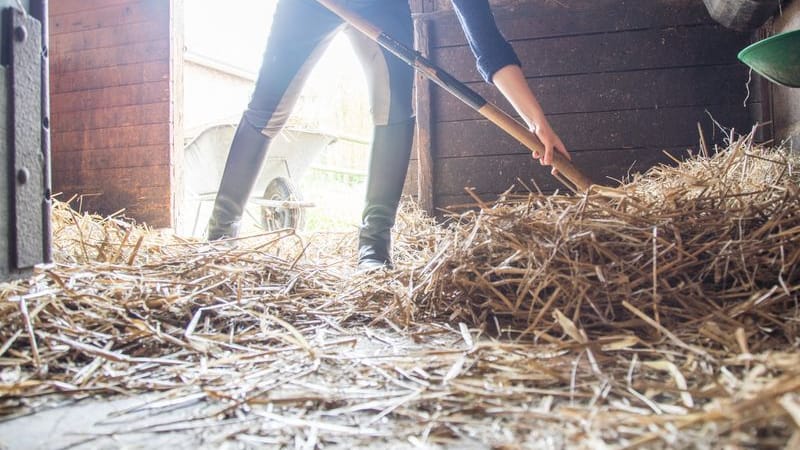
<point>423,126</point>
<point>176,118</point>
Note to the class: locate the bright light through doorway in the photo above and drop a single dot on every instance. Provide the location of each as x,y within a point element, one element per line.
<point>224,43</point>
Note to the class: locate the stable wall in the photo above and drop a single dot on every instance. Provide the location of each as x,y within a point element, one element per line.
<point>786,101</point>
<point>113,94</point>
<point>621,81</point>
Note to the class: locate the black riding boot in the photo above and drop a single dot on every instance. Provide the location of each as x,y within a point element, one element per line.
<point>391,149</point>
<point>248,150</point>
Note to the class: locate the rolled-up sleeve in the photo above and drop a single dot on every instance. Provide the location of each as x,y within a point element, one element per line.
<point>492,51</point>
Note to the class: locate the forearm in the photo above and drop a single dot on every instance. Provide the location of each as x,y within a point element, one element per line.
<point>498,64</point>
<point>512,84</point>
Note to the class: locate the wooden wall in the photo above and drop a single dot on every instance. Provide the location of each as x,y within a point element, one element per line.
<point>786,100</point>
<point>621,80</point>
<point>114,124</point>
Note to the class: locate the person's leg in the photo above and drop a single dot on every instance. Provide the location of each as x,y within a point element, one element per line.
<point>390,87</point>
<point>301,31</point>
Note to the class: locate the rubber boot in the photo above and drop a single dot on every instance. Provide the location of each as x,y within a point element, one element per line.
<point>391,150</point>
<point>247,154</point>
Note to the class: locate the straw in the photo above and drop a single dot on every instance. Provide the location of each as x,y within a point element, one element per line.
<point>661,313</point>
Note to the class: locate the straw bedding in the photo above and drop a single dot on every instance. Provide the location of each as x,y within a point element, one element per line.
<point>660,313</point>
<point>704,242</point>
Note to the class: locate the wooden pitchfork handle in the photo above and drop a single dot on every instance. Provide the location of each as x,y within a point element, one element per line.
<point>579,181</point>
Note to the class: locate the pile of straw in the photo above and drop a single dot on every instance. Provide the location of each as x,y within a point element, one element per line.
<point>709,246</point>
<point>662,313</point>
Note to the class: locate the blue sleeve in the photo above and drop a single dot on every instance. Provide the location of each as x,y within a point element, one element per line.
<point>492,51</point>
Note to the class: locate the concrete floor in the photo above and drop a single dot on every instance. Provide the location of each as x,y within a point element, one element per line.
<point>117,423</point>
<point>94,423</point>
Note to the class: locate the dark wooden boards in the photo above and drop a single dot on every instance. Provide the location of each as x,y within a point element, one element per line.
<point>113,105</point>
<point>614,91</point>
<point>534,19</point>
<point>595,131</point>
<point>620,80</point>
<point>610,52</point>
<point>106,14</point>
<point>139,204</point>
<point>84,79</point>
<point>491,175</point>
<point>95,160</point>
<point>134,53</point>
<point>117,138</point>
<point>112,117</point>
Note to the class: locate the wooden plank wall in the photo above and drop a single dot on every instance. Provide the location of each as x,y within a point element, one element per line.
<point>621,80</point>
<point>786,100</point>
<point>113,125</point>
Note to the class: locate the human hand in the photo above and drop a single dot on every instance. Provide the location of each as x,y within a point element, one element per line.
<point>551,142</point>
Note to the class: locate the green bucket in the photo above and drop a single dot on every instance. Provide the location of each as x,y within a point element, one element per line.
<point>776,58</point>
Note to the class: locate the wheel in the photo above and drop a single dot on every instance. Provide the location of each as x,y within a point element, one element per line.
<point>281,189</point>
